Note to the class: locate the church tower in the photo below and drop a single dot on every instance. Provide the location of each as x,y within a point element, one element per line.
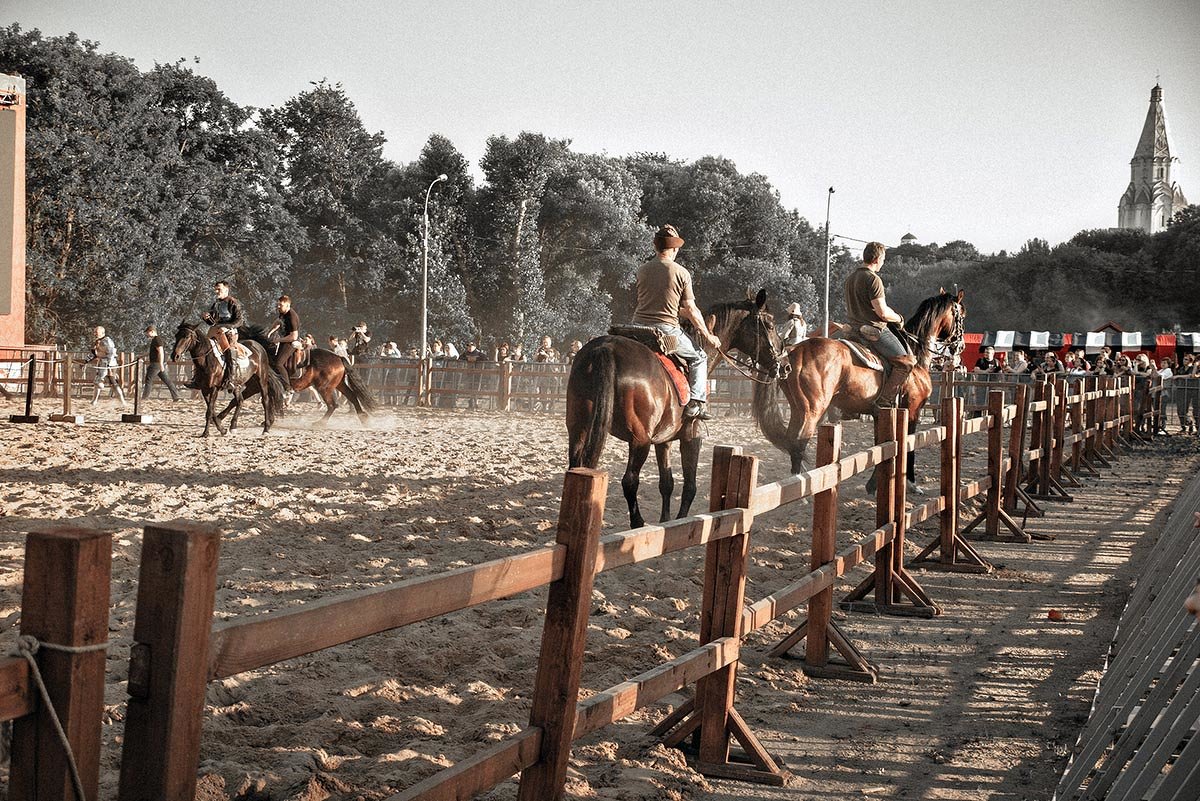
<point>1151,198</point>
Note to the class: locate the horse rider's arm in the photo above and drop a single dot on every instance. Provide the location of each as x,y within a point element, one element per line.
<point>885,312</point>
<point>692,312</point>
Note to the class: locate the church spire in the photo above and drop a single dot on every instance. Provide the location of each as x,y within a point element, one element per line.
<point>1151,198</point>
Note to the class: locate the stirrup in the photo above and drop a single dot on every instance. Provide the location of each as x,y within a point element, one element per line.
<point>696,410</point>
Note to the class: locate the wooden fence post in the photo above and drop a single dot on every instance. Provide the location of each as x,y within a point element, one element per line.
<point>505,386</point>
<point>64,601</point>
<point>952,411</point>
<point>1016,447</point>
<point>168,663</point>
<point>560,664</point>
<point>824,548</point>
<point>30,377</point>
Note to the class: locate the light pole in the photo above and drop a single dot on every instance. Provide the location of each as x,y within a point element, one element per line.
<point>422,371</point>
<point>828,204</point>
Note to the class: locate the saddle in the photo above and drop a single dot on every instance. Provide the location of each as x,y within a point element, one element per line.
<point>664,346</point>
<point>861,342</point>
<point>241,356</point>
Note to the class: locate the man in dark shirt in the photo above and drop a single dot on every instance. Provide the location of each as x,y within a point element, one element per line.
<point>869,315</point>
<point>225,315</point>
<point>285,333</point>
<point>156,365</point>
<point>987,363</point>
<point>471,354</point>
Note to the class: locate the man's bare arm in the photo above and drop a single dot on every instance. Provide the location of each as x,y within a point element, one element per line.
<point>692,313</point>
<point>885,312</point>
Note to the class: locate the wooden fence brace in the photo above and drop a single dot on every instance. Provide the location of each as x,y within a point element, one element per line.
<point>1062,473</point>
<point>168,663</point>
<point>1013,491</point>
<point>560,664</point>
<point>1079,460</point>
<point>1091,455</point>
<point>29,416</point>
<point>890,581</point>
<point>64,601</point>
<point>713,718</point>
<point>1035,439</point>
<point>819,628</point>
<point>949,544</point>
<point>993,513</point>
<point>1048,486</point>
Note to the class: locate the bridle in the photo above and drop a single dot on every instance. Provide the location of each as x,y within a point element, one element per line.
<point>749,367</point>
<point>954,344</point>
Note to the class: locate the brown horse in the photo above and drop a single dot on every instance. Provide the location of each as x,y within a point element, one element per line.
<point>210,374</point>
<point>326,372</point>
<point>824,373</point>
<point>618,385</point>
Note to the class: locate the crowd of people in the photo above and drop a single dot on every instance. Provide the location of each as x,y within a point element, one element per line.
<point>502,351</point>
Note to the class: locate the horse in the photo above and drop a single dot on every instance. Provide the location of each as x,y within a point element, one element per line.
<point>210,374</point>
<point>618,385</point>
<point>325,372</point>
<point>824,374</point>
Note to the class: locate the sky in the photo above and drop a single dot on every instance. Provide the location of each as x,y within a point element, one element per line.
<point>993,122</point>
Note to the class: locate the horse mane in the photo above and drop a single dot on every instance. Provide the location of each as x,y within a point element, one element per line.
<point>723,312</point>
<point>920,325</point>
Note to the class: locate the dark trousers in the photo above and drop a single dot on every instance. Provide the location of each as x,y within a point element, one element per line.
<point>157,369</point>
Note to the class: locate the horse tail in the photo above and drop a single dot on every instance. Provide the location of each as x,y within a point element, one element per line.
<point>274,392</point>
<point>599,370</point>
<point>356,388</point>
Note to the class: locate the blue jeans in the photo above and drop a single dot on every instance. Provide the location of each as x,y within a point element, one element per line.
<point>697,361</point>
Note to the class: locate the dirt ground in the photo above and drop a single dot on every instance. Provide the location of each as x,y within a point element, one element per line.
<point>981,703</point>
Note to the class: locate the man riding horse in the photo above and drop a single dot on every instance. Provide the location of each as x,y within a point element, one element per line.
<point>225,315</point>
<point>285,335</point>
<point>664,294</point>
<point>869,315</point>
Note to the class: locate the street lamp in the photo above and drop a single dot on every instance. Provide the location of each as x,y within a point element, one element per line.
<point>828,204</point>
<point>422,371</point>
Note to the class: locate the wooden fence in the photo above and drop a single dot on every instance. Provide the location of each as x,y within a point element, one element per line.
<point>1141,739</point>
<point>178,650</point>
<point>64,628</point>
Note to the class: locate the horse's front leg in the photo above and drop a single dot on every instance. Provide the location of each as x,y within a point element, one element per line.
<point>236,403</point>
<point>215,418</point>
<point>629,482</point>
<point>689,458</point>
<point>666,480</point>
<point>913,487</point>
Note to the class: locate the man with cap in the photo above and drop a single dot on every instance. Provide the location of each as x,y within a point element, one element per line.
<point>869,315</point>
<point>664,295</point>
<point>795,330</point>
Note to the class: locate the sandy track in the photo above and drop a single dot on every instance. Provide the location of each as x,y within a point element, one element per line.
<point>977,704</point>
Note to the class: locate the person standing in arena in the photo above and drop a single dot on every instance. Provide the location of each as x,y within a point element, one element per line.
<point>156,365</point>
<point>104,354</point>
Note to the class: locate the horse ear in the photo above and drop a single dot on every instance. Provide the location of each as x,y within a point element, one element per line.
<point>710,322</point>
<point>941,290</point>
<point>760,300</point>
<point>960,295</point>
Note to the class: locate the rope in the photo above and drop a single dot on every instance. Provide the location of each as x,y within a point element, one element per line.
<point>736,365</point>
<point>27,646</point>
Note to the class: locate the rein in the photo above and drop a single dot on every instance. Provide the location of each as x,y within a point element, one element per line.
<point>749,368</point>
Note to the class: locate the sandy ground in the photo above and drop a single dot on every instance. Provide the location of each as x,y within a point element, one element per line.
<point>981,703</point>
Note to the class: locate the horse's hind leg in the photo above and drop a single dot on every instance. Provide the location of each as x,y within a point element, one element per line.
<point>689,458</point>
<point>629,482</point>
<point>666,480</point>
<point>363,416</point>
<point>330,397</point>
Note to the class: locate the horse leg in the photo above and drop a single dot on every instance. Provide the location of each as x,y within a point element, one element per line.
<point>666,481</point>
<point>330,398</point>
<point>363,417</point>
<point>629,482</point>
<point>237,408</point>
<point>913,487</point>
<point>689,458</point>
<point>212,406</point>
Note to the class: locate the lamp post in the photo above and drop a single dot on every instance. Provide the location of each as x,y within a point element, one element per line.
<point>828,204</point>
<point>422,371</point>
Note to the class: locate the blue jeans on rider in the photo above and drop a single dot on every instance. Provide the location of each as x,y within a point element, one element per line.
<point>697,361</point>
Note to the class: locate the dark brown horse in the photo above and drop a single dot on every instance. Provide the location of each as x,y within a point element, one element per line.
<point>618,386</point>
<point>324,371</point>
<point>210,374</point>
<point>825,373</point>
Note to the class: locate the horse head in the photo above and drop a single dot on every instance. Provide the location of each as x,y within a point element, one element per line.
<point>749,327</point>
<point>186,336</point>
<point>940,324</point>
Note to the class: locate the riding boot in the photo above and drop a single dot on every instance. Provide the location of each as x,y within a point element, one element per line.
<point>696,410</point>
<point>901,369</point>
<point>228,361</point>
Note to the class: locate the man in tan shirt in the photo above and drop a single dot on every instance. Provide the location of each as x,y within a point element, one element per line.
<point>664,294</point>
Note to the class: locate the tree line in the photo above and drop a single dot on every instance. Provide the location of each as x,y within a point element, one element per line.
<point>146,186</point>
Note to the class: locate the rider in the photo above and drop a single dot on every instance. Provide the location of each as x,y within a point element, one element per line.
<point>869,314</point>
<point>287,346</point>
<point>795,330</point>
<point>664,294</point>
<point>225,315</point>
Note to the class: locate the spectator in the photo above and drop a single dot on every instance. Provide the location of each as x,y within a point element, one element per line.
<point>1122,365</point>
<point>517,353</point>
<point>576,346</point>
<point>390,351</point>
<point>987,362</point>
<point>451,351</point>
<point>1018,364</point>
<point>1077,365</point>
<point>472,354</point>
<point>436,351</point>
<point>1050,367</point>
<point>795,330</point>
<point>501,354</point>
<point>1187,393</point>
<point>546,354</point>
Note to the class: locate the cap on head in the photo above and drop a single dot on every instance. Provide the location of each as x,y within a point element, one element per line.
<point>794,310</point>
<point>667,237</point>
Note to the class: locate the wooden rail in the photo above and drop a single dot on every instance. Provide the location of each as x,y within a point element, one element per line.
<point>177,650</point>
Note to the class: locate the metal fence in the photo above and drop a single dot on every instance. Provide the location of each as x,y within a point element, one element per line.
<point>1142,740</point>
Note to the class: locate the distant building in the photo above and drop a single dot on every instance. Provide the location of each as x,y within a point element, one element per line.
<point>1151,198</point>
<point>908,239</point>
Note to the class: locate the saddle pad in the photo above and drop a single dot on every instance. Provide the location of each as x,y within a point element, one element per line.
<point>677,376</point>
<point>863,356</point>
<point>241,355</point>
